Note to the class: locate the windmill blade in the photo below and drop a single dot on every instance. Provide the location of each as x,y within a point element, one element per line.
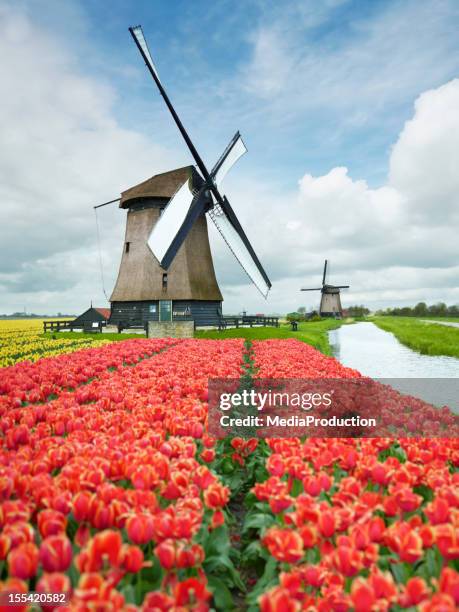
<point>229,157</point>
<point>137,33</point>
<point>341,286</point>
<point>232,233</point>
<point>198,207</point>
<point>314,289</point>
<point>324,277</point>
<point>141,43</point>
<point>170,222</point>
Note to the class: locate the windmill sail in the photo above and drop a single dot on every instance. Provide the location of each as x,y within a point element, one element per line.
<point>186,206</point>
<point>170,222</point>
<point>198,207</point>
<point>231,154</point>
<point>324,278</point>
<point>241,248</point>
<point>138,34</point>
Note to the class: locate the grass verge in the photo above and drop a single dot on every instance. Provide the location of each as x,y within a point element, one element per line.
<point>314,333</point>
<point>98,336</point>
<point>426,338</point>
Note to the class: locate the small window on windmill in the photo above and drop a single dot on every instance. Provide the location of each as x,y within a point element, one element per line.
<point>165,280</point>
<point>128,246</point>
<point>161,210</point>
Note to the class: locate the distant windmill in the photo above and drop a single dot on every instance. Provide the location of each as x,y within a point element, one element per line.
<point>330,301</point>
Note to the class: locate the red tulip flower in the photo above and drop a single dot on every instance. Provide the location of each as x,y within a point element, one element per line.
<point>23,561</point>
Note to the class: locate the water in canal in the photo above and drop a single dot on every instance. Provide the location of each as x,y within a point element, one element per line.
<point>378,354</point>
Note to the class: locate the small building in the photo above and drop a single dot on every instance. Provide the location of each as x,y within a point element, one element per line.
<point>92,319</point>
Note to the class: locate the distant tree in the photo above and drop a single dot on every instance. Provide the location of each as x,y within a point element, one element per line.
<point>302,310</point>
<point>420,310</point>
<point>357,311</point>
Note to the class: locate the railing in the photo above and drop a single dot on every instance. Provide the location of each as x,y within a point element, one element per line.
<point>247,320</point>
<point>87,327</point>
<point>56,325</point>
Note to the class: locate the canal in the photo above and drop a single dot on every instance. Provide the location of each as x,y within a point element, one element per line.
<point>378,354</point>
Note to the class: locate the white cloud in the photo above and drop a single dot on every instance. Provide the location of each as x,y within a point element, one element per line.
<point>397,242</point>
<point>61,151</point>
<point>378,62</point>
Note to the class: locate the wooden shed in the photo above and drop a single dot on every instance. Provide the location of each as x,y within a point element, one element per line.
<point>144,291</point>
<point>92,319</point>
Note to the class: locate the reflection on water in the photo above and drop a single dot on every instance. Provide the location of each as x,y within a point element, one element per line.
<point>378,354</point>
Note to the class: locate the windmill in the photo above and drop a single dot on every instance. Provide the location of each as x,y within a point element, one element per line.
<point>330,301</point>
<point>166,270</point>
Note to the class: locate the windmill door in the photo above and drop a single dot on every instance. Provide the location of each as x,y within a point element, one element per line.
<point>165,310</point>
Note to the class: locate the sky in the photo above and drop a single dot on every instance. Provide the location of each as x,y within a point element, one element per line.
<point>349,110</point>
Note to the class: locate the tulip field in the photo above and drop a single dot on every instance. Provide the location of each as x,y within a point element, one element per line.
<point>113,493</point>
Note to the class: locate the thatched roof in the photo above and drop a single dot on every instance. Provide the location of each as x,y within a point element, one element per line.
<point>159,186</point>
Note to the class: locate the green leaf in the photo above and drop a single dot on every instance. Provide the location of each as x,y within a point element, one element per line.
<point>222,596</point>
<point>297,487</point>
<point>268,579</point>
<point>218,542</point>
<point>254,551</point>
<point>402,572</point>
<point>223,566</point>
<point>129,594</point>
<point>258,521</point>
<point>425,492</point>
<point>434,562</point>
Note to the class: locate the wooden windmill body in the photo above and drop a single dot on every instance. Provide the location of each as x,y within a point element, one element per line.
<point>330,300</point>
<point>143,290</point>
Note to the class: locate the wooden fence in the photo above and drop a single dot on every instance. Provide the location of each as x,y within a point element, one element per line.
<point>250,320</point>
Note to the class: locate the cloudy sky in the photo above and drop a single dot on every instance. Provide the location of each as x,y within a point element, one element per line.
<point>349,109</point>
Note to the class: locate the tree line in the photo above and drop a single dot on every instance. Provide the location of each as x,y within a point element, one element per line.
<point>422,310</point>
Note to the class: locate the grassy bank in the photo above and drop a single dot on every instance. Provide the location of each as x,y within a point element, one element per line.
<point>112,337</point>
<point>314,333</point>
<point>426,338</point>
<point>445,319</point>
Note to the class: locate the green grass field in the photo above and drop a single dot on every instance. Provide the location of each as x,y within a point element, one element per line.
<point>426,338</point>
<point>446,319</point>
<point>98,336</point>
<point>314,333</point>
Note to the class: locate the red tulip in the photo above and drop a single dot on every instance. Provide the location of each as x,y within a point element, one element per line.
<point>132,558</point>
<point>216,496</point>
<point>414,592</point>
<point>56,553</point>
<point>284,544</point>
<point>54,583</point>
<point>348,560</point>
<point>166,554</point>
<point>326,523</point>
<point>23,561</point>
<point>51,522</point>
<point>191,591</point>
<point>410,548</point>
<point>140,528</point>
